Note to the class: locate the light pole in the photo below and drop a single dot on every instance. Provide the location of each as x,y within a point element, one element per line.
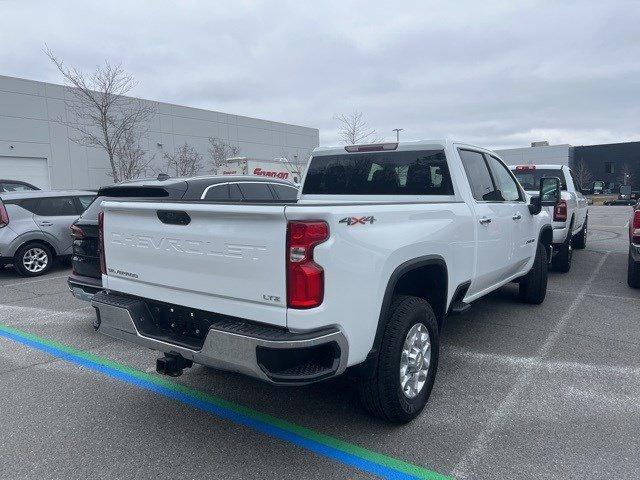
<point>398,130</point>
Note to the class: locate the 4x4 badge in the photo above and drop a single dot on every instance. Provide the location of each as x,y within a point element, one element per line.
<point>357,220</point>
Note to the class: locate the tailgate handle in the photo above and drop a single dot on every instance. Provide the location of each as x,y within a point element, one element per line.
<point>174,217</point>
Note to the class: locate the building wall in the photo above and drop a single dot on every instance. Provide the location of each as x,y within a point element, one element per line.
<point>554,154</point>
<point>600,159</point>
<point>28,130</point>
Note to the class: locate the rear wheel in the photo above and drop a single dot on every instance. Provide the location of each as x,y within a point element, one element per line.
<point>633,272</point>
<point>33,259</point>
<point>406,366</point>
<point>580,240</point>
<point>533,286</point>
<point>562,259</point>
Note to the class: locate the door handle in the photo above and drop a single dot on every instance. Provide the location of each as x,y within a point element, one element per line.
<point>517,216</point>
<point>484,221</point>
<point>46,224</point>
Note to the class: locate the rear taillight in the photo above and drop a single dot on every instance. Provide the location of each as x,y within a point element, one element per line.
<point>635,227</point>
<point>560,211</point>
<point>76,232</point>
<point>4,216</point>
<point>524,168</point>
<point>103,263</point>
<point>305,278</point>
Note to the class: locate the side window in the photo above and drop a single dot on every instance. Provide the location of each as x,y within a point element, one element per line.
<point>505,183</point>
<point>256,192</point>
<point>478,174</point>
<point>218,193</point>
<point>85,201</point>
<point>14,187</point>
<point>285,193</point>
<point>56,207</point>
<point>29,204</point>
<point>234,193</point>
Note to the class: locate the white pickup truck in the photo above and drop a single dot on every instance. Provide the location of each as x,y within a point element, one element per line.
<point>384,242</point>
<point>570,215</point>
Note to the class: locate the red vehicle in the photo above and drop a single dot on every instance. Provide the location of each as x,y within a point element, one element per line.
<point>633,269</point>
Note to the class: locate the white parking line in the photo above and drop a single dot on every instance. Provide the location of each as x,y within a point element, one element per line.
<point>536,362</point>
<point>478,448</point>
<point>32,281</point>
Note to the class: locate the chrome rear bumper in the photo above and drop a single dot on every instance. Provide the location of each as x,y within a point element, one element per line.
<point>246,347</point>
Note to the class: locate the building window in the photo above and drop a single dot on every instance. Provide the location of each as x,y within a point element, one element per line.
<point>609,167</point>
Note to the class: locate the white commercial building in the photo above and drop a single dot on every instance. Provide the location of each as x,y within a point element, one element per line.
<point>35,147</point>
<point>554,154</point>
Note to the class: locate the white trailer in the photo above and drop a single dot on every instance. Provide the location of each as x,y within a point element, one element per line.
<point>281,169</point>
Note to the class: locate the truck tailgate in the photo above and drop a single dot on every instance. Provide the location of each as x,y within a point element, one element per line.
<point>228,259</point>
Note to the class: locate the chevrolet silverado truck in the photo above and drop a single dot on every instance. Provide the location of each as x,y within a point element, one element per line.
<point>570,216</point>
<point>384,242</point>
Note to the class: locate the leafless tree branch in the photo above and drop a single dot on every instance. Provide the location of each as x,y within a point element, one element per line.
<point>98,110</point>
<point>131,160</point>
<point>353,129</point>
<point>583,174</point>
<point>220,151</point>
<point>185,162</point>
<point>295,164</point>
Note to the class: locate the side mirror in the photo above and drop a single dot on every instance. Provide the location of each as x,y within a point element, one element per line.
<point>548,195</point>
<point>549,191</point>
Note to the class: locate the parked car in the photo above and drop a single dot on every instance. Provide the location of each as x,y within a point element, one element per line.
<point>15,186</point>
<point>34,227</point>
<point>384,242</point>
<point>570,216</point>
<point>633,265</point>
<point>86,279</point>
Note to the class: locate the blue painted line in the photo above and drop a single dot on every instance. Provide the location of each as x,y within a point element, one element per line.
<point>217,410</point>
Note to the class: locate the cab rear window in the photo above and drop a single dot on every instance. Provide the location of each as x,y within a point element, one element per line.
<point>530,178</point>
<point>379,173</point>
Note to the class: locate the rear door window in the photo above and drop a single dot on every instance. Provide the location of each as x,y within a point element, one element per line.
<point>422,172</point>
<point>479,177</point>
<point>56,207</point>
<point>284,192</point>
<point>256,192</point>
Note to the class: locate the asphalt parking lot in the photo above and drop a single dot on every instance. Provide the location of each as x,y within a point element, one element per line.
<point>549,391</point>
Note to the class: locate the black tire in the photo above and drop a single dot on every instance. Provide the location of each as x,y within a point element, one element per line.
<point>381,392</point>
<point>580,240</point>
<point>19,258</point>
<point>633,272</point>
<point>533,286</point>
<point>562,259</point>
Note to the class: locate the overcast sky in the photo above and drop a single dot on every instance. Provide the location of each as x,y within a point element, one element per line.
<point>493,73</point>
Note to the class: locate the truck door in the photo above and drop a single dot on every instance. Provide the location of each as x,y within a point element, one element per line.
<point>522,227</point>
<point>493,224</point>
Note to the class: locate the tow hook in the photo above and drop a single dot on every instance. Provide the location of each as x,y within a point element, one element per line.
<point>172,364</point>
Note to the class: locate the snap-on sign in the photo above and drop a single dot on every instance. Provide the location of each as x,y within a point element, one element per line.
<point>271,173</point>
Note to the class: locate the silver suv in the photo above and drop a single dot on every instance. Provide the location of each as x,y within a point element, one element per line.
<point>34,227</point>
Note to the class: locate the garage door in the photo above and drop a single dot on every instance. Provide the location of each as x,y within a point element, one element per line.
<point>27,169</point>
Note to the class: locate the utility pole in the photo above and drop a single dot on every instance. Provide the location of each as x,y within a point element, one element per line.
<point>398,130</point>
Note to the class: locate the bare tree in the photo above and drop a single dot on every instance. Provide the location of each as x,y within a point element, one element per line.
<point>583,174</point>
<point>626,175</point>
<point>131,160</point>
<point>220,151</point>
<point>100,113</point>
<point>353,129</point>
<point>294,164</point>
<point>186,161</point>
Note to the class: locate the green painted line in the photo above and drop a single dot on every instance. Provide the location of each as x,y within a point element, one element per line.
<point>392,463</point>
